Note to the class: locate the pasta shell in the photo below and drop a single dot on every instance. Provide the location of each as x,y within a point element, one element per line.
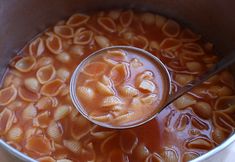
<point>122,119</point>
<point>7,118</point>
<point>147,86</point>
<point>39,145</point>
<point>46,159</point>
<point>210,59</point>
<point>7,95</point>
<point>95,69</point>
<point>128,91</point>
<point>146,75</point>
<point>102,41</point>
<point>200,143</point>
<point>171,28</point>
<point>65,91</point>
<point>106,118</point>
<point>77,20</point>
<point>194,66</point>
<point>188,36</point>
<point>36,47</point>
<point>16,105</point>
<point>175,66</point>
<point>100,132</point>
<point>188,156</point>
<point>46,103</point>
<point>203,110</point>
<point>170,155</point>
<point>76,50</point>
<point>117,155</point>
<point>149,99</point>
<point>111,101</point>
<point>126,18</point>
<point>223,121</point>
<point>64,31</point>
<point>43,61</point>
<point>219,135</point>
<point>119,73</point>
<point>170,44</point>
<point>83,38</point>
<point>61,112</point>
<point>29,112</point>
<point>160,21</point>
<point>103,89</point>
<point>73,145</point>
<point>184,102</point>
<point>106,80</point>
<point>184,79</point>
<point>213,79</point>
<point>32,84</point>
<point>135,63</point>
<point>153,158</point>
<point>85,93</point>
<point>228,79</point>
<point>140,42</point>
<point>30,132</point>
<point>25,64</point>
<point>63,57</point>
<point>80,127</point>
<point>128,141</point>
<point>114,14</point>
<point>109,143</point>
<point>15,134</point>
<point>193,49</point>
<point>113,57</point>
<point>27,95</point>
<point>64,160</point>
<point>181,122</point>
<point>136,103</point>
<point>225,103</point>
<point>154,45</point>
<point>219,91</point>
<point>42,120</point>
<point>88,152</point>
<point>141,151</point>
<point>107,24</point>
<point>46,74</point>
<point>54,44</point>
<point>128,35</point>
<point>54,131</point>
<point>148,18</point>
<point>199,124</point>
<point>52,88</point>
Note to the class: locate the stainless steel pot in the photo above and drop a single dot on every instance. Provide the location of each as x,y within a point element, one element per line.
<point>22,20</point>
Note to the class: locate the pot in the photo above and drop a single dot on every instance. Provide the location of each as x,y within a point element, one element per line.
<point>23,20</point>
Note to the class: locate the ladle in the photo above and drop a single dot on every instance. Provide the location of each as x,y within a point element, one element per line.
<point>225,62</point>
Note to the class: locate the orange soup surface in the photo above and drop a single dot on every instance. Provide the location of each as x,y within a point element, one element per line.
<point>38,118</point>
<point>121,87</point>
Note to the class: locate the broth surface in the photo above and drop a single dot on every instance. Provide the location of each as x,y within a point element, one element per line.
<point>38,118</point>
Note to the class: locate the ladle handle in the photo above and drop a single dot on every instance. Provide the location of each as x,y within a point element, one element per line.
<point>225,62</point>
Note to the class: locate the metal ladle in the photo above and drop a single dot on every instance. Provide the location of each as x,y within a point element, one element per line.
<point>225,62</point>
